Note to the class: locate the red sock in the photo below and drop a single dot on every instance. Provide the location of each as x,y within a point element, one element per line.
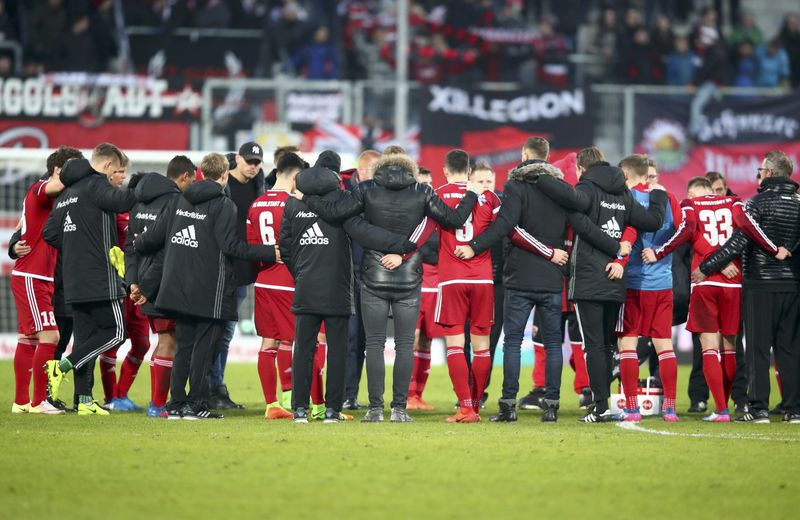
<point>581,375</point>
<point>285,365</point>
<point>317,387</point>
<point>23,365</point>
<point>728,371</point>
<point>130,367</point>
<point>160,372</point>
<point>481,366</point>
<point>108,373</point>
<point>778,379</point>
<point>712,369</point>
<point>44,353</point>
<point>629,377</point>
<point>412,385</point>
<point>668,370</point>
<point>459,375</point>
<point>422,368</point>
<point>267,374</point>
<point>539,363</point>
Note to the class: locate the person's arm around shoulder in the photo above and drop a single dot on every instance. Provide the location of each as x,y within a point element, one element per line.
<point>228,239</point>
<point>571,199</point>
<point>345,205</point>
<point>109,198</point>
<point>446,216</point>
<point>650,218</point>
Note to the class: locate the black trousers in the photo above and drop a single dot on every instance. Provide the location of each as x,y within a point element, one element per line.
<point>698,388</point>
<point>99,326</point>
<point>772,320</point>
<point>356,347</point>
<point>598,322</point>
<point>65,327</point>
<point>306,327</point>
<point>197,341</point>
<point>739,388</point>
<point>497,327</point>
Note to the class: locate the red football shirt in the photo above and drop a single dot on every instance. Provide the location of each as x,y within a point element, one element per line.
<point>708,222</point>
<point>41,261</point>
<point>452,268</point>
<point>263,227</point>
<point>123,219</point>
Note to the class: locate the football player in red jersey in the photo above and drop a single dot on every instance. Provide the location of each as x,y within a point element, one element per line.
<point>274,291</point>
<point>427,329</point>
<point>32,286</point>
<point>708,221</point>
<point>466,290</point>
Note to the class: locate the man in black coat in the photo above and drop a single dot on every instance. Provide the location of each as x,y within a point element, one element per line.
<point>245,184</point>
<point>597,283</point>
<point>395,202</point>
<point>318,254</point>
<point>83,227</point>
<point>771,288</point>
<point>157,195</point>
<point>201,243</point>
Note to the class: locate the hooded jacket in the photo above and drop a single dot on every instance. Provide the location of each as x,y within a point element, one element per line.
<point>83,227</point>
<point>396,202</point>
<point>157,196</point>
<point>776,208</point>
<point>541,221</point>
<point>318,252</point>
<point>200,244</point>
<point>603,197</point>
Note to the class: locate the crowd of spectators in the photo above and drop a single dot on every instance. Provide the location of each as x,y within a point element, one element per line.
<point>659,53</point>
<point>528,41</point>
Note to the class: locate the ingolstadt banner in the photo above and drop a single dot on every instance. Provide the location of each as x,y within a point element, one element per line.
<point>81,110</point>
<point>493,125</point>
<point>729,136</point>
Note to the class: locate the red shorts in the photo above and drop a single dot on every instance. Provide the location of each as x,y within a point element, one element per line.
<point>273,314</point>
<point>715,309</point>
<point>136,324</point>
<point>647,314</point>
<point>34,299</point>
<point>458,302</point>
<point>426,322</point>
<point>159,325</point>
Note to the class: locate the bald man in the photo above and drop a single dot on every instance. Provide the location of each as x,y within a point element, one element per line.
<point>357,344</point>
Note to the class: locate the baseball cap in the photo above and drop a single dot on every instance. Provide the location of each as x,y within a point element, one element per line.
<point>251,150</point>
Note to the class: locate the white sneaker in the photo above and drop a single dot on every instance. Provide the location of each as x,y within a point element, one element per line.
<point>21,408</point>
<point>46,408</point>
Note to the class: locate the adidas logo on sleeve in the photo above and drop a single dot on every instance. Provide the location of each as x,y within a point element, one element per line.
<point>68,225</point>
<point>612,228</point>
<point>314,236</point>
<point>186,237</point>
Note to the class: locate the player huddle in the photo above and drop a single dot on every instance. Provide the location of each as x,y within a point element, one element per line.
<point>582,242</point>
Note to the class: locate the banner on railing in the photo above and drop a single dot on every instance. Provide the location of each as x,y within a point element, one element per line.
<point>729,135</point>
<point>493,125</point>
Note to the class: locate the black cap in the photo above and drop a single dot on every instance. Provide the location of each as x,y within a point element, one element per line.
<point>251,150</point>
<point>330,160</point>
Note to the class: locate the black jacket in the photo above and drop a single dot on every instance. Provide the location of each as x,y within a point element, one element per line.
<point>393,201</point>
<point>157,196</point>
<point>318,252</point>
<point>602,195</point>
<point>83,227</point>
<point>544,223</point>
<point>776,208</point>
<point>243,195</point>
<point>200,243</point>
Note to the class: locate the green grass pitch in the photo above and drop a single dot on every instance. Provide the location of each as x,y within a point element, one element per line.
<point>128,466</point>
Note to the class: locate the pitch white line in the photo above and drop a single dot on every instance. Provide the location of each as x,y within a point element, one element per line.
<point>722,435</point>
